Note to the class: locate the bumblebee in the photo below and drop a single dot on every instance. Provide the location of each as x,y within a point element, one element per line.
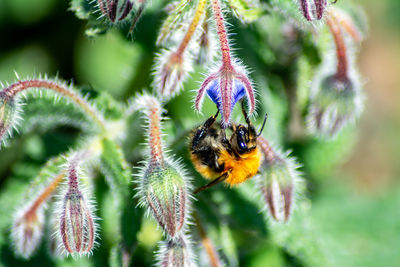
<point>216,157</point>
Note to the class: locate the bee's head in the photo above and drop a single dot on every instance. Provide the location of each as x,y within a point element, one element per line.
<point>243,139</point>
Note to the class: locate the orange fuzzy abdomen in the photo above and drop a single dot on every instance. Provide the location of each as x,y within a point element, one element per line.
<point>241,169</point>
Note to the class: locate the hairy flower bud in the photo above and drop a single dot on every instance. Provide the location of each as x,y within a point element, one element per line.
<point>29,220</point>
<point>174,253</point>
<point>335,103</point>
<point>277,181</point>
<point>312,9</point>
<point>27,231</point>
<point>115,10</point>
<point>163,183</point>
<point>171,68</point>
<point>165,194</point>
<point>8,113</point>
<point>77,227</point>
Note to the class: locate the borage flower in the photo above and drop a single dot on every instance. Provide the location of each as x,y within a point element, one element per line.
<point>230,83</point>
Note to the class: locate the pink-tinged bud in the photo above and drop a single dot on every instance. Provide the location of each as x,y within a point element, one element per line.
<point>171,70</point>
<point>115,10</point>
<point>277,181</point>
<point>175,253</point>
<point>77,227</point>
<point>165,193</point>
<point>335,103</point>
<point>163,184</point>
<point>27,231</point>
<point>28,222</point>
<point>313,9</point>
<point>9,109</point>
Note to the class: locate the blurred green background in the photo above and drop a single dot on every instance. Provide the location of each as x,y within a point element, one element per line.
<point>357,205</point>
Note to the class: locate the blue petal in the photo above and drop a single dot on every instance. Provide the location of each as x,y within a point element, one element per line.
<point>214,93</point>
<point>238,92</point>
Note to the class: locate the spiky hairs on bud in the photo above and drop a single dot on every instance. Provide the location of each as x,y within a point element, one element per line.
<point>312,9</point>
<point>77,227</point>
<point>9,113</point>
<point>335,103</point>
<point>277,181</point>
<point>176,252</point>
<point>163,184</point>
<point>28,222</point>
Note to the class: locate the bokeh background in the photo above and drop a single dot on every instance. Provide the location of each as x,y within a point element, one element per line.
<point>357,203</point>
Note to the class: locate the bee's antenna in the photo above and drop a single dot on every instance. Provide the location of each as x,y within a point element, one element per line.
<point>262,127</point>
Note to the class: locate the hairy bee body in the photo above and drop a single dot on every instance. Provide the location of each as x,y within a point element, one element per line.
<point>213,155</point>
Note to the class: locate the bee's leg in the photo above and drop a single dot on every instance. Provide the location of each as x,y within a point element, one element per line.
<point>202,132</point>
<point>246,117</point>
<point>212,183</point>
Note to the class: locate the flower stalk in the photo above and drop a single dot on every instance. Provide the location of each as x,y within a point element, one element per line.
<point>341,49</point>
<point>21,86</point>
<point>176,65</point>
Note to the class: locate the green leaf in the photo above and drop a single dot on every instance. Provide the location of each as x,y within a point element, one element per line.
<point>118,176</point>
<point>44,111</point>
<point>246,10</point>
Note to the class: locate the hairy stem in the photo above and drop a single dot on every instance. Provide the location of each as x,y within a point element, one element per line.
<point>155,142</point>
<point>222,34</point>
<point>192,27</point>
<point>20,86</point>
<point>208,246</point>
<point>44,195</point>
<point>341,49</point>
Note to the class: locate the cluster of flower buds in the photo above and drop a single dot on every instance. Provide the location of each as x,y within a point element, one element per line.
<point>277,180</point>
<point>336,98</point>
<point>176,252</point>
<point>164,186</point>
<point>115,10</point>
<point>313,9</point>
<point>77,228</point>
<point>229,83</point>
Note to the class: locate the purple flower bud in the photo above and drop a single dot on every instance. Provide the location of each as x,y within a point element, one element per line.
<point>77,227</point>
<point>313,9</point>
<point>335,103</point>
<point>115,10</point>
<point>174,253</point>
<point>27,231</point>
<point>277,180</point>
